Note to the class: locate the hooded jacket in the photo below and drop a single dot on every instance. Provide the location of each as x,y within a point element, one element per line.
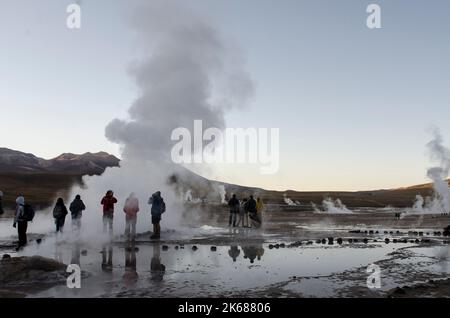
<point>131,207</point>
<point>20,208</point>
<point>157,203</point>
<point>76,208</point>
<point>108,202</point>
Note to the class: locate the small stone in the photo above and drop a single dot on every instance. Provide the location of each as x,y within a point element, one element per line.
<point>165,247</point>
<point>194,248</point>
<point>84,252</point>
<point>213,248</point>
<point>6,256</point>
<point>386,240</point>
<point>270,246</point>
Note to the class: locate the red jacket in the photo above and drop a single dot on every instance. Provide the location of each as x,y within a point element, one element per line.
<point>108,204</point>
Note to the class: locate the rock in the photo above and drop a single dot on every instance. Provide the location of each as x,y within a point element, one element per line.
<point>366,240</point>
<point>282,245</point>
<point>324,241</point>
<point>84,252</point>
<point>39,241</point>
<point>355,240</point>
<point>270,246</point>
<point>309,243</point>
<point>177,247</point>
<point>376,232</point>
<point>296,244</point>
<point>33,271</point>
<point>6,256</point>
<point>371,232</point>
<point>350,240</point>
<point>213,248</point>
<point>394,241</point>
<point>318,241</point>
<point>165,247</point>
<point>420,233</point>
<point>330,241</point>
<point>339,241</point>
<point>386,240</point>
<point>194,248</point>
<point>354,231</point>
<point>417,241</point>
<point>385,232</point>
<point>391,232</point>
<point>277,245</point>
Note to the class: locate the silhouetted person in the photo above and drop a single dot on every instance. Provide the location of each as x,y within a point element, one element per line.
<point>76,209</point>
<point>108,202</point>
<point>157,270</point>
<point>250,209</point>
<point>1,203</point>
<point>234,252</point>
<point>131,208</point>
<point>59,214</point>
<point>158,208</point>
<point>130,276</point>
<point>21,222</point>
<point>233,203</point>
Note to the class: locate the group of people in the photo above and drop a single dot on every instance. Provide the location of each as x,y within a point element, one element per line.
<point>24,213</point>
<point>245,213</point>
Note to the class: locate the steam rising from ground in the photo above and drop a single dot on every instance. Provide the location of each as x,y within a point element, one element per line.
<point>440,202</point>
<point>332,206</point>
<point>187,72</point>
<point>288,201</point>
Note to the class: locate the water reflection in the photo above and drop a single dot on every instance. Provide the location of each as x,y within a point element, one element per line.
<point>234,252</point>
<point>107,256</point>
<point>157,269</point>
<point>76,252</point>
<point>130,276</point>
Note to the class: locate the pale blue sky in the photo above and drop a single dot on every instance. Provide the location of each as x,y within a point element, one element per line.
<point>352,104</point>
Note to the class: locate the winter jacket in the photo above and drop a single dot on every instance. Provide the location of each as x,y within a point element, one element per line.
<point>20,209</point>
<point>158,205</point>
<point>59,211</point>
<point>251,206</point>
<point>108,204</point>
<point>131,207</point>
<point>76,208</point>
<point>233,203</point>
<point>259,206</point>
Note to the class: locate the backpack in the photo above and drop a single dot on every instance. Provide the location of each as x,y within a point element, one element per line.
<point>28,213</point>
<point>58,212</point>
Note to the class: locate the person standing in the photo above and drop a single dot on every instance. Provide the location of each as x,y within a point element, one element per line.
<point>59,214</point>
<point>158,208</point>
<point>259,209</point>
<point>233,203</point>
<point>240,221</point>
<point>1,203</point>
<point>21,222</point>
<point>108,202</point>
<point>76,208</point>
<point>250,209</point>
<point>131,208</point>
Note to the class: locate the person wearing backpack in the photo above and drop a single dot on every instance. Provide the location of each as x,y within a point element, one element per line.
<point>158,208</point>
<point>76,209</point>
<point>21,222</point>
<point>108,202</point>
<point>233,203</point>
<point>1,203</point>
<point>59,214</point>
<point>250,209</point>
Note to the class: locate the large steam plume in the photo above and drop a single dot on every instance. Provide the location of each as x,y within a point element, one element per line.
<point>188,71</point>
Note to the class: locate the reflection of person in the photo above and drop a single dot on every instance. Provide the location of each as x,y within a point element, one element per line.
<point>75,253</point>
<point>234,252</point>
<point>157,269</point>
<point>259,209</point>
<point>252,252</point>
<point>107,255</point>
<point>130,276</point>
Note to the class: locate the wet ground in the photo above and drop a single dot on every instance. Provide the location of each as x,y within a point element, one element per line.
<point>295,254</point>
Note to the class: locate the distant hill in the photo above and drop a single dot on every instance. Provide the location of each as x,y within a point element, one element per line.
<point>12,161</point>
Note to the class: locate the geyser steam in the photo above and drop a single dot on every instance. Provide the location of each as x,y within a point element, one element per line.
<point>187,72</point>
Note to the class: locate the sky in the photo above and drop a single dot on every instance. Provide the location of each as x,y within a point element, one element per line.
<point>353,104</point>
